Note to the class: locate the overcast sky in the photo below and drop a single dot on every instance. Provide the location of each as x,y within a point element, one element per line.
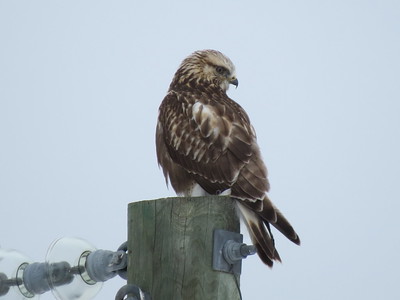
<point>80,86</point>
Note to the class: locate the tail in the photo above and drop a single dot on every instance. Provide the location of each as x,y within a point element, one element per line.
<point>258,217</point>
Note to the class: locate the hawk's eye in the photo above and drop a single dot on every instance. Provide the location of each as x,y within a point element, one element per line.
<point>220,70</point>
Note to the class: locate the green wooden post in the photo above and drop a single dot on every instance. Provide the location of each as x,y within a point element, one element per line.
<point>170,247</point>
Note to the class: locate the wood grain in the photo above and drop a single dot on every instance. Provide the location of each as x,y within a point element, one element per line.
<point>170,247</point>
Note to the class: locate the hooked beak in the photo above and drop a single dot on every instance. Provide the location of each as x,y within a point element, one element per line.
<point>234,81</point>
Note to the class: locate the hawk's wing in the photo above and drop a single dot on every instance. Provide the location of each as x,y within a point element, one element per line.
<point>210,137</point>
<point>207,138</point>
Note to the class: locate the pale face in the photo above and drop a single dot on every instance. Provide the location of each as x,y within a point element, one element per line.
<point>220,68</point>
<point>210,66</point>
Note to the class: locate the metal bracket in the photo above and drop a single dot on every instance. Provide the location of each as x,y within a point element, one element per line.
<point>229,250</point>
<point>123,273</point>
<point>131,292</point>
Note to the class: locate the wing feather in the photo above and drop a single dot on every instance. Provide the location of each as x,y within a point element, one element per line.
<point>208,135</point>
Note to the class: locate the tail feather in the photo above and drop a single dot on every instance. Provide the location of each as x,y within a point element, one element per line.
<point>270,214</point>
<point>280,222</point>
<point>258,219</point>
<point>261,239</point>
<point>284,226</point>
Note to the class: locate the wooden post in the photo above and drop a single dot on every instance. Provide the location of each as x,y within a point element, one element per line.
<point>170,247</point>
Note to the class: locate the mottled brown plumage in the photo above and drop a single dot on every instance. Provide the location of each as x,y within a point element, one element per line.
<point>206,145</point>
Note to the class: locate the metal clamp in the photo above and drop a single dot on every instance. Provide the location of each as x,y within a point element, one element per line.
<point>229,250</point>
<point>123,273</point>
<point>131,292</point>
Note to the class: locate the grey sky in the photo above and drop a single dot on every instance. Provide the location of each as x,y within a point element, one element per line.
<point>80,85</point>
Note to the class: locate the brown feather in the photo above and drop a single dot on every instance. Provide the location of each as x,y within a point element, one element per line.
<point>259,236</point>
<point>270,214</point>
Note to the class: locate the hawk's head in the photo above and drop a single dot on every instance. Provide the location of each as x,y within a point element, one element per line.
<point>207,67</point>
